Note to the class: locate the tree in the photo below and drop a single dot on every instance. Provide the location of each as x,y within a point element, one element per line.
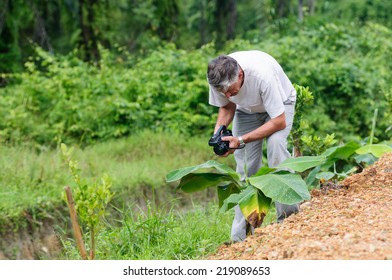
<point>282,7</point>
<point>89,41</point>
<point>40,33</point>
<point>226,19</point>
<point>167,13</point>
<point>300,10</point>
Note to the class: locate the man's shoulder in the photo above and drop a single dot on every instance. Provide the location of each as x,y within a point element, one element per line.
<point>254,59</point>
<point>249,53</point>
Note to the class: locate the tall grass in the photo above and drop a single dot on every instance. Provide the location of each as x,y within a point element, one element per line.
<point>31,183</point>
<point>161,235</point>
<point>29,178</point>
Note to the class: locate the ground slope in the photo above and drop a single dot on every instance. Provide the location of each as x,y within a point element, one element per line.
<point>351,222</point>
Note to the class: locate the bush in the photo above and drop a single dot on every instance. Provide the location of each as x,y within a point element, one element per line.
<point>63,99</point>
<point>347,69</point>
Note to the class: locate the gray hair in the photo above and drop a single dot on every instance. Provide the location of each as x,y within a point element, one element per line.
<point>222,72</point>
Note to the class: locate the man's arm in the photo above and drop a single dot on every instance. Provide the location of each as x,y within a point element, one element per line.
<point>263,131</point>
<point>270,127</point>
<point>225,115</point>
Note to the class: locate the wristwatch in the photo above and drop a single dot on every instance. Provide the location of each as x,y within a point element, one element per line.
<point>242,143</point>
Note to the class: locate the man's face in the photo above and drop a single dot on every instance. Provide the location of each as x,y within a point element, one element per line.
<point>235,88</point>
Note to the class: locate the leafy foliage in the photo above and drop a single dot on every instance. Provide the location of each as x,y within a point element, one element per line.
<point>304,97</point>
<point>336,163</point>
<point>91,200</point>
<point>345,67</point>
<point>65,99</point>
<point>254,196</point>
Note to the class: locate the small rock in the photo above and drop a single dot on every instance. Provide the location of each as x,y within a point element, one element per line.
<point>372,248</point>
<point>247,250</point>
<point>295,232</point>
<point>45,250</point>
<point>382,238</point>
<point>333,231</point>
<point>288,254</point>
<point>305,205</point>
<point>347,236</point>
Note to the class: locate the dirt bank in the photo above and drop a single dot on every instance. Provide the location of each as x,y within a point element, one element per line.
<point>351,222</point>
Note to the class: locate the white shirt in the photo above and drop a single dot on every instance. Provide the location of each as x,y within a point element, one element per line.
<point>266,87</point>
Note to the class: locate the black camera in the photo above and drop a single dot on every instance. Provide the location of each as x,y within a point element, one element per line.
<point>220,147</point>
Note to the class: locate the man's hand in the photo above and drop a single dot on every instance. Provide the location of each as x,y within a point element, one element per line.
<point>233,144</point>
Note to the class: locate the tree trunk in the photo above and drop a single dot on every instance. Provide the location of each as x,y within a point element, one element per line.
<point>167,13</point>
<point>89,38</point>
<point>232,19</point>
<point>40,33</point>
<point>225,18</point>
<point>300,11</point>
<point>202,22</point>
<point>4,9</point>
<point>282,6</point>
<point>311,4</point>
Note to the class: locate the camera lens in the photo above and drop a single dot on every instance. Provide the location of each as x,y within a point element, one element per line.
<point>221,149</point>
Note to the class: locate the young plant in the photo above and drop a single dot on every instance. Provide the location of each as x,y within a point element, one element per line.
<point>304,98</point>
<point>338,162</point>
<point>316,145</point>
<point>90,199</point>
<point>254,195</point>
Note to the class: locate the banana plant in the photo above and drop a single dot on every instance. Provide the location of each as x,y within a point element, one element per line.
<point>254,195</point>
<point>283,184</point>
<point>342,161</point>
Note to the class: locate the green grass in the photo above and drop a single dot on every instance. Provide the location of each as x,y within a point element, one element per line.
<point>135,164</point>
<point>161,235</point>
<point>32,185</point>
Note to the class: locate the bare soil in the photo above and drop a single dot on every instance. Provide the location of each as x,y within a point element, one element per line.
<point>351,220</point>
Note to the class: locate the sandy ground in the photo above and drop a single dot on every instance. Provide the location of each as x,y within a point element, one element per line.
<point>353,221</point>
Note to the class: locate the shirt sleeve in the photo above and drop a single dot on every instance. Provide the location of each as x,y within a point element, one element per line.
<point>217,99</point>
<point>272,98</point>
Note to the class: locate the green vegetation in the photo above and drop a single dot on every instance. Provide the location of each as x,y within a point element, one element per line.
<point>256,194</point>
<point>138,165</point>
<point>34,181</point>
<point>88,202</point>
<point>63,99</point>
<point>123,83</point>
<point>161,235</point>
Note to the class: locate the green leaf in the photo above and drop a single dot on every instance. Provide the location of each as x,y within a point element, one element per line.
<point>365,158</point>
<point>286,189</point>
<point>231,201</point>
<point>225,191</point>
<point>375,149</point>
<point>255,206</point>
<point>341,152</point>
<point>300,164</point>
<point>311,178</point>
<point>264,170</point>
<point>221,168</point>
<point>325,175</point>
<point>253,203</point>
<point>194,182</point>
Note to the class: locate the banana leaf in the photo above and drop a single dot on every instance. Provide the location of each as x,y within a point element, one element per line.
<point>284,188</point>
